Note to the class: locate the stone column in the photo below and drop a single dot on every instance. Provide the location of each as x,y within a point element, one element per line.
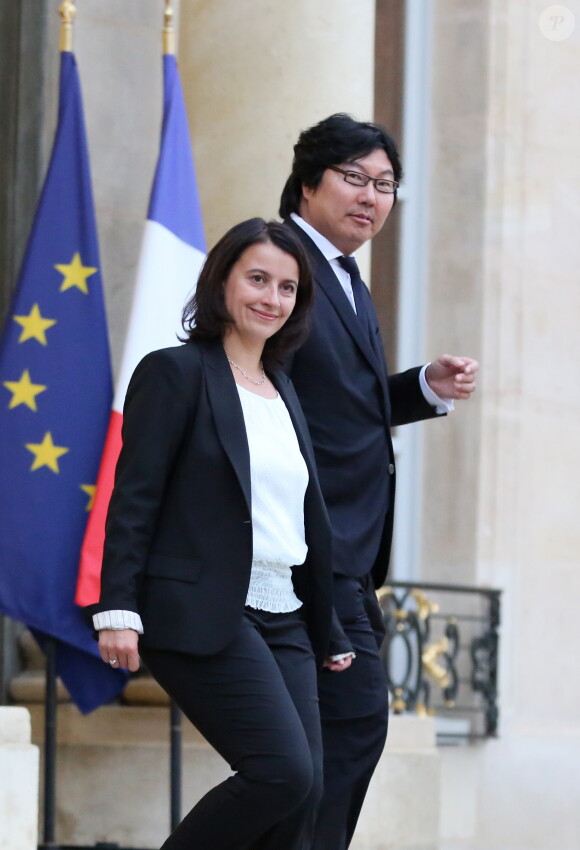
<point>503,492</point>
<point>529,535</point>
<point>401,809</point>
<point>119,53</point>
<point>255,73</point>
<point>23,92</point>
<point>18,781</point>
<point>454,297</point>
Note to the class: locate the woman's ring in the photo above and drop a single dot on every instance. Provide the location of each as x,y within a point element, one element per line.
<point>112,661</point>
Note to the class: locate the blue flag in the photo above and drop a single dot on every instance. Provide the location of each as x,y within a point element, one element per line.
<point>55,399</point>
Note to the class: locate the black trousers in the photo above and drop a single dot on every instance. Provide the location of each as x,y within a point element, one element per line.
<point>256,703</point>
<point>354,710</point>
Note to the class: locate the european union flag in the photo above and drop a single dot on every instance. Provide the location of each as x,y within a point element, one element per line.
<point>55,399</point>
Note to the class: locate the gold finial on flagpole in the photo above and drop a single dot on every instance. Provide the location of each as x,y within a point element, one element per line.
<point>67,11</point>
<point>168,33</point>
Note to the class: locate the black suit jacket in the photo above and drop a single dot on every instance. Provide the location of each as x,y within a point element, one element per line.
<point>178,546</point>
<point>350,403</point>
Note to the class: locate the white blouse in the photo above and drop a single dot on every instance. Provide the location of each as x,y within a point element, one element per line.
<point>279,478</point>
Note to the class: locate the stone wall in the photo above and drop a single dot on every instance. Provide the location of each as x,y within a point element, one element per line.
<point>18,781</point>
<point>505,254</point>
<point>256,73</point>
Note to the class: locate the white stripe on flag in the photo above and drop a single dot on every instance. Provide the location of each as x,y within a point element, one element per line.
<point>166,277</point>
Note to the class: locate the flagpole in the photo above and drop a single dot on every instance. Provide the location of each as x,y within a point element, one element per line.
<point>168,33</point>
<point>50,717</point>
<point>175,766</point>
<point>67,11</point>
<point>175,736</point>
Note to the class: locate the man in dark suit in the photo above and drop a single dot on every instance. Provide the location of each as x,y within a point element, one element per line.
<point>341,190</point>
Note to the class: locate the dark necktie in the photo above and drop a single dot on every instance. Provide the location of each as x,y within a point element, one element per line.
<point>364,307</point>
<point>350,265</point>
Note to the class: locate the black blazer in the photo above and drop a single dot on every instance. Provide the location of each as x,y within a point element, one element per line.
<point>350,403</point>
<point>178,546</point>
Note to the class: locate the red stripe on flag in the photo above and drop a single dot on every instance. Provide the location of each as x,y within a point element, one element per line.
<point>89,580</point>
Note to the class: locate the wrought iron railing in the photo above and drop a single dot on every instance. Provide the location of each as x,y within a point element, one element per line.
<point>441,654</point>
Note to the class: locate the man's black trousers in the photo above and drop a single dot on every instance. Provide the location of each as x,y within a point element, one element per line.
<point>354,712</point>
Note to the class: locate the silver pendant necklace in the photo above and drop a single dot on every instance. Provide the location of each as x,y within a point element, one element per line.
<point>248,377</point>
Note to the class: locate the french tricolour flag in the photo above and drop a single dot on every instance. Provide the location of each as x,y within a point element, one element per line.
<point>172,253</point>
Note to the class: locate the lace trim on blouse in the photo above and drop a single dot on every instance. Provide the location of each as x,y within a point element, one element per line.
<point>271,588</point>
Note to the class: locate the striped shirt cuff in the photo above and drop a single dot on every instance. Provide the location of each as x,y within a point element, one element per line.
<point>342,656</point>
<point>118,620</point>
<point>441,405</point>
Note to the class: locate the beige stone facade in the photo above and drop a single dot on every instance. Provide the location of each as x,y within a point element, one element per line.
<point>505,211</point>
<point>500,491</point>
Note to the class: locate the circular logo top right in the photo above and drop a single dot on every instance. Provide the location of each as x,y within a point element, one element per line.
<point>557,22</point>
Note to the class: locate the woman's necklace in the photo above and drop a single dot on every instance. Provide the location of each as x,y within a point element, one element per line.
<point>249,377</point>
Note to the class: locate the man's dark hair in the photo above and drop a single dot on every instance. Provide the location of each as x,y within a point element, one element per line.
<point>205,315</point>
<point>336,140</point>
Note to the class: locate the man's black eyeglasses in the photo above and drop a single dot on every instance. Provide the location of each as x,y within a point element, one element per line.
<point>357,178</point>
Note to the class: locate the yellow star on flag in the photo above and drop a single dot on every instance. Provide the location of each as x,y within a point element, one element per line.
<point>46,453</point>
<point>90,490</point>
<point>75,274</point>
<point>34,326</point>
<point>24,391</point>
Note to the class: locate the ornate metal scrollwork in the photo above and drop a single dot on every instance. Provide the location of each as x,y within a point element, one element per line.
<point>423,666</point>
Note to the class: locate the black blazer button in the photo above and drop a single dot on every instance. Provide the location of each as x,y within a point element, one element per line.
<point>391,468</point>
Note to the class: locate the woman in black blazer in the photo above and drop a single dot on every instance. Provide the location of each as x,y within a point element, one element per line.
<point>216,498</point>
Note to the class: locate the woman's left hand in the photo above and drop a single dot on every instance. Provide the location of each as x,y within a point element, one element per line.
<point>119,648</point>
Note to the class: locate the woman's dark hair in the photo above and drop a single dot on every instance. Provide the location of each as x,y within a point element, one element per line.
<point>336,140</point>
<point>205,315</point>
